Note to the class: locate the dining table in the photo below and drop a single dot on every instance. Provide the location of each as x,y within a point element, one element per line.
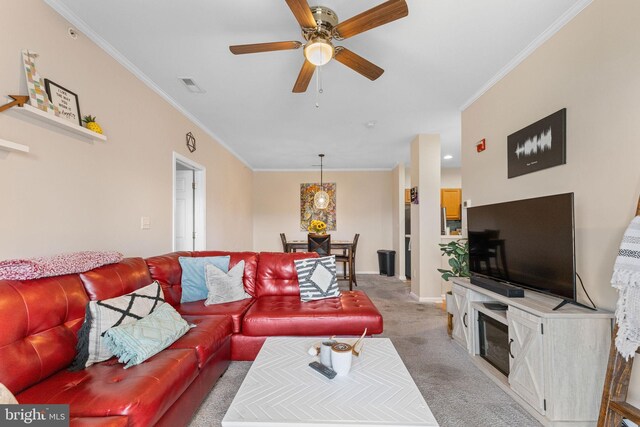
<point>336,245</point>
<point>302,245</point>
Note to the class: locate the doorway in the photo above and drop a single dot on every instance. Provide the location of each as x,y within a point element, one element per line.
<point>189,204</point>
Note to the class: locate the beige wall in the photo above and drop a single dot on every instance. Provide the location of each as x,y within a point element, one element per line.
<point>68,194</point>
<point>398,207</point>
<point>451,178</point>
<point>363,205</point>
<point>591,67</point>
<point>425,218</point>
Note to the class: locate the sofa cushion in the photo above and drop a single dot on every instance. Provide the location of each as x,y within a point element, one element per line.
<point>250,266</point>
<point>277,273</point>
<point>142,393</point>
<point>98,422</point>
<point>36,342</point>
<point>166,270</point>
<point>105,314</point>
<point>349,314</point>
<point>116,279</point>
<point>193,282</point>
<point>225,287</point>
<point>207,337</point>
<point>135,342</point>
<point>317,278</point>
<point>235,310</point>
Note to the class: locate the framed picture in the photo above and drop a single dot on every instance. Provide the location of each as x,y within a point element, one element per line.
<point>309,212</point>
<point>65,101</point>
<point>414,196</point>
<point>540,145</point>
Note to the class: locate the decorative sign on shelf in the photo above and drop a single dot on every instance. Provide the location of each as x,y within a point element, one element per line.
<point>65,101</point>
<point>540,145</point>
<point>35,85</point>
<point>191,142</point>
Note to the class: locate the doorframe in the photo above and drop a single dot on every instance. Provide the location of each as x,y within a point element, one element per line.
<point>200,200</point>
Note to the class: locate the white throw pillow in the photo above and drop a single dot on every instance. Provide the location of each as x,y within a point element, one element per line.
<point>225,287</point>
<point>103,315</point>
<point>6,397</point>
<point>317,278</point>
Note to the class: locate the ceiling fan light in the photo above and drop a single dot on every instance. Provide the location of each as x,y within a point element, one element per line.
<point>321,200</point>
<point>318,52</point>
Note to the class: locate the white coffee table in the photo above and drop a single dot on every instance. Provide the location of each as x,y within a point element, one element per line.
<point>281,389</point>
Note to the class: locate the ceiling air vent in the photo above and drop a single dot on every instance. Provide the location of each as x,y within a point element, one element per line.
<point>191,84</point>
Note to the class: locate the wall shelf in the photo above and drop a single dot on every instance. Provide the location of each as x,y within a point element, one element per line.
<point>29,111</point>
<point>12,146</point>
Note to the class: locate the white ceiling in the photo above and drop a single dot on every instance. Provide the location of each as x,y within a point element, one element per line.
<point>435,61</point>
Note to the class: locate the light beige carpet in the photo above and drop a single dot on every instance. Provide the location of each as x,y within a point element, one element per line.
<point>458,394</point>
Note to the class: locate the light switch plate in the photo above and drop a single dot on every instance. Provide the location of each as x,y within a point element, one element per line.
<point>145,223</point>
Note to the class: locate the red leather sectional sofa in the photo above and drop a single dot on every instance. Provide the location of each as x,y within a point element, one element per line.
<point>39,320</point>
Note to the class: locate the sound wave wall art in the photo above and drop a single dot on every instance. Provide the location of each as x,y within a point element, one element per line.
<point>540,145</point>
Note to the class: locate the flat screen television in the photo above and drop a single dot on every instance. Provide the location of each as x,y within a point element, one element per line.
<point>527,243</point>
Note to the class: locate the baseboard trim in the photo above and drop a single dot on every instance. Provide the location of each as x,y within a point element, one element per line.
<point>426,299</point>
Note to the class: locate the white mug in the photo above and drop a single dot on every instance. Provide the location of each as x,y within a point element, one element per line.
<point>341,354</point>
<point>325,352</point>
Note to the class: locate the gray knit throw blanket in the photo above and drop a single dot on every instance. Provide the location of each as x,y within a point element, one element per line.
<point>626,279</point>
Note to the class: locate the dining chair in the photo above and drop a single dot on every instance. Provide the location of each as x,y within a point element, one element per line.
<point>319,243</point>
<point>284,242</point>
<point>349,260</point>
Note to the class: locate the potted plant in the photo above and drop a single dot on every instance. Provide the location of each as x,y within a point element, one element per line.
<point>458,252</point>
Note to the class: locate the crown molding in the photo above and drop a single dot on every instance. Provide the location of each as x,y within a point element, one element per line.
<point>326,170</point>
<point>85,29</point>
<point>535,44</point>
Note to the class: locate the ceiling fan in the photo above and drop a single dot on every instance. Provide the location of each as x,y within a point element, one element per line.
<point>320,26</point>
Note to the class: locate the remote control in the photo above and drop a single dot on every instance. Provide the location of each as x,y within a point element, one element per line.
<point>324,370</point>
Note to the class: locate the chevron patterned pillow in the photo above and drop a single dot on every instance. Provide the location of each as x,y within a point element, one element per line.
<point>317,278</point>
<point>105,314</point>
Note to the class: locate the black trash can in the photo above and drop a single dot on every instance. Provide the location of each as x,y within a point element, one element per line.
<point>387,262</point>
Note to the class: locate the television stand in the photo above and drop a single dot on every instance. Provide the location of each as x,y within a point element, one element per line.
<point>567,301</point>
<point>557,359</point>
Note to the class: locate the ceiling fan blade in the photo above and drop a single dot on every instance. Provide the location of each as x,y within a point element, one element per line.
<point>372,18</point>
<point>302,12</point>
<point>306,72</point>
<point>357,63</point>
<point>263,47</point>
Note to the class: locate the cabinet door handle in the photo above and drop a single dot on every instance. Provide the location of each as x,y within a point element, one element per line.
<point>464,320</point>
<point>511,354</point>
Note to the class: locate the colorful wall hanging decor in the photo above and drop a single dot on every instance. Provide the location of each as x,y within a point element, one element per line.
<point>308,211</point>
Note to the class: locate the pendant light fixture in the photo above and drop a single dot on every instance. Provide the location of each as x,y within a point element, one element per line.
<point>321,198</point>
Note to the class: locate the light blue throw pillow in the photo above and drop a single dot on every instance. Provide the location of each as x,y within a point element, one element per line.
<point>135,342</point>
<point>194,285</point>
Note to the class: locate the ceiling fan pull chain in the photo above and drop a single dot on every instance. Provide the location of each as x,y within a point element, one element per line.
<point>318,88</point>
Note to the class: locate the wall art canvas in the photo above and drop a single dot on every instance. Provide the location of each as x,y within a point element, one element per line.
<point>309,212</point>
<point>35,84</point>
<point>540,145</point>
